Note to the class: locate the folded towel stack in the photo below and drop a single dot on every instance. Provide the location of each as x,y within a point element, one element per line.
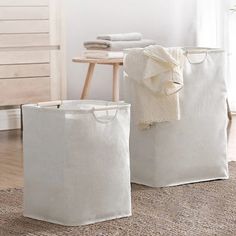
<point>113,45</point>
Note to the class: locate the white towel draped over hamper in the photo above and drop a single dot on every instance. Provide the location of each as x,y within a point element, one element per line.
<point>191,149</point>
<point>76,162</point>
<point>157,77</point>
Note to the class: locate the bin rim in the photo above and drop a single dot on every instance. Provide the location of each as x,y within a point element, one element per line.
<point>189,49</point>
<point>197,50</point>
<point>103,105</point>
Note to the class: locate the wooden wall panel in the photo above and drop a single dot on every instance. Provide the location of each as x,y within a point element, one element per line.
<point>8,58</point>
<point>24,13</point>
<point>24,26</point>
<point>24,2</point>
<point>15,40</point>
<point>24,71</point>
<point>31,91</point>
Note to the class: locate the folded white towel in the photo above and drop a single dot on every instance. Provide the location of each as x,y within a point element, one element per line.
<point>155,77</point>
<point>101,54</point>
<point>121,37</point>
<point>117,45</point>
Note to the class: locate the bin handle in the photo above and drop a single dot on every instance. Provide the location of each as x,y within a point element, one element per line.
<point>199,62</point>
<point>94,110</point>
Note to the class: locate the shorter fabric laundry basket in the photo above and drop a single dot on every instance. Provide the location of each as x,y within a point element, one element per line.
<point>76,161</point>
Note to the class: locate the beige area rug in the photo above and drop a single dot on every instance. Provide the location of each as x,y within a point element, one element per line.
<point>198,209</point>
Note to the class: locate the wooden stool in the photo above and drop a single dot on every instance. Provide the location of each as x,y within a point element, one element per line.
<point>116,63</point>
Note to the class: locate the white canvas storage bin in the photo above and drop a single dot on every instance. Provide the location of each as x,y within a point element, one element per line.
<point>76,161</point>
<point>192,149</point>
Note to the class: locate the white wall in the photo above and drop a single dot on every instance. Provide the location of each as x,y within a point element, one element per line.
<point>212,23</point>
<point>170,22</point>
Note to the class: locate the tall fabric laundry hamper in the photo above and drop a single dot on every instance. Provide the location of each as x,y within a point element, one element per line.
<point>76,161</point>
<point>194,148</point>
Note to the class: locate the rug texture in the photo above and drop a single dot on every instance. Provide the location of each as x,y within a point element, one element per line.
<point>203,209</point>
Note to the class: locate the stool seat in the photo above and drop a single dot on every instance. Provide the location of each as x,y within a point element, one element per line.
<point>98,61</point>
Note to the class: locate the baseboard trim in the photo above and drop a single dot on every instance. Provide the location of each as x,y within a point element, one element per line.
<point>10,119</point>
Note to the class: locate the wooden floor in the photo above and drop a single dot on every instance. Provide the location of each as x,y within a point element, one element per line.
<point>11,157</point>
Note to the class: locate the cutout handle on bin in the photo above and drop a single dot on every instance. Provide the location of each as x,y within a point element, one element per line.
<point>106,110</point>
<point>204,53</point>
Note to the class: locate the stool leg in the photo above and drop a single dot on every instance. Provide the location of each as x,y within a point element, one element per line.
<point>229,111</point>
<point>21,117</point>
<point>116,84</point>
<point>88,80</point>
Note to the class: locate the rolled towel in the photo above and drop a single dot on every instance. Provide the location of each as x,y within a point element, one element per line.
<point>103,54</point>
<point>121,37</point>
<point>117,45</point>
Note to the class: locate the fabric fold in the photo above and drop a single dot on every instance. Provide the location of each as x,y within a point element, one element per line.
<point>155,75</point>
<point>164,69</point>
